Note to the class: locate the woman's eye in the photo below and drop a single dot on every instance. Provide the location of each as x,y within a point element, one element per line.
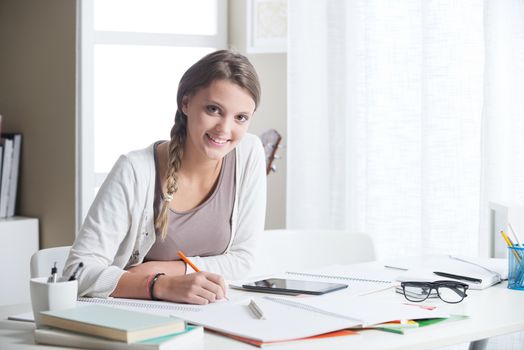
<point>212,109</point>
<point>242,118</point>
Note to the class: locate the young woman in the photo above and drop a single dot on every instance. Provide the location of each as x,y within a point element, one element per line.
<point>202,192</point>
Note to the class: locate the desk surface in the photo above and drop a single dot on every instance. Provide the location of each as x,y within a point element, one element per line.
<point>493,311</point>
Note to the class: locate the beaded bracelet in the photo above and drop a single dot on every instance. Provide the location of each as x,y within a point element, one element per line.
<point>148,282</point>
<point>152,285</point>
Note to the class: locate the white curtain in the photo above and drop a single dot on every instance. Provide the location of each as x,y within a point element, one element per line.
<point>405,119</point>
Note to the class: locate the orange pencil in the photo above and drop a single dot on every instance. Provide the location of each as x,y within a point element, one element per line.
<point>187,261</point>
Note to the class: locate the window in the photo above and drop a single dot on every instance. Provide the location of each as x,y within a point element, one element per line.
<point>132,55</point>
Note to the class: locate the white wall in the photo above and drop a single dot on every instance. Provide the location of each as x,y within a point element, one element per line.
<point>37,98</point>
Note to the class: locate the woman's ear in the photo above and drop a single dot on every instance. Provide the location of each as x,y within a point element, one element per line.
<point>185,102</point>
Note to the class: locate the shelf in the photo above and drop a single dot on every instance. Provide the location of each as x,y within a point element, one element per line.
<point>20,241</point>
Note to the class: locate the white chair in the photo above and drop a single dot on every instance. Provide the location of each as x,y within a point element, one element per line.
<point>281,250</point>
<point>43,260</point>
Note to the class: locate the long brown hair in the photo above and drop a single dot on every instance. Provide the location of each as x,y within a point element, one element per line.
<point>218,65</point>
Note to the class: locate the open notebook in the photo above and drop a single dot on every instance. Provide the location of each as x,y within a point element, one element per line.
<point>288,320</point>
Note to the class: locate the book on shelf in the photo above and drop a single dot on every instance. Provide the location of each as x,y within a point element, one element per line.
<point>9,173</point>
<point>111,323</point>
<point>53,336</point>
<point>1,161</point>
<point>15,170</point>
<point>7,161</point>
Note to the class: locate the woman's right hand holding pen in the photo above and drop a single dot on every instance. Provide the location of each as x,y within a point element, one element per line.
<point>173,284</point>
<point>195,288</point>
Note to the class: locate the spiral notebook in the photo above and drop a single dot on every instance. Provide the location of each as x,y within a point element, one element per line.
<point>153,307</point>
<point>325,276</point>
<point>361,279</point>
<point>156,307</point>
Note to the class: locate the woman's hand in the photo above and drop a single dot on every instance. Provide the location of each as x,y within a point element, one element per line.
<point>195,288</point>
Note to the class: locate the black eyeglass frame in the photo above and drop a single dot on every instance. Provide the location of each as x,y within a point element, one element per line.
<point>436,285</point>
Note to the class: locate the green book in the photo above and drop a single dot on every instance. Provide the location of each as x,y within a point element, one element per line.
<point>432,321</point>
<point>57,337</point>
<point>112,323</point>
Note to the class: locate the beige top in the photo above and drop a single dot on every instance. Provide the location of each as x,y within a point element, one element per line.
<point>201,231</point>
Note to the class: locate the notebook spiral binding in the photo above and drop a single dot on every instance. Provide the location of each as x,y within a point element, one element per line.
<point>344,278</point>
<point>139,305</point>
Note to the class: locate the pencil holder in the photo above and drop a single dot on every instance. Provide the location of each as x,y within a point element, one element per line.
<point>47,296</point>
<point>516,268</point>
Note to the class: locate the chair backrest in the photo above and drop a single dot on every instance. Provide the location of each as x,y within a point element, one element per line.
<point>292,250</point>
<point>43,260</point>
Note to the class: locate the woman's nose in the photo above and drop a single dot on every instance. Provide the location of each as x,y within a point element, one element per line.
<point>225,125</point>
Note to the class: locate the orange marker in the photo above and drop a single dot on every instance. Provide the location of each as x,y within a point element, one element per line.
<point>187,261</point>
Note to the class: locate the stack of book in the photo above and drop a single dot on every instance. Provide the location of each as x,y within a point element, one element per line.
<point>10,149</point>
<point>102,327</point>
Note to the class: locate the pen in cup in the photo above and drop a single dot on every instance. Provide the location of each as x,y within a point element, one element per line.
<point>517,238</point>
<point>54,274</point>
<point>510,244</point>
<point>73,276</point>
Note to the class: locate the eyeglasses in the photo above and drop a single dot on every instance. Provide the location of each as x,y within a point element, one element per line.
<point>449,291</point>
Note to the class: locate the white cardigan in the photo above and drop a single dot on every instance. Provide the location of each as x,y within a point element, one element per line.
<point>119,228</point>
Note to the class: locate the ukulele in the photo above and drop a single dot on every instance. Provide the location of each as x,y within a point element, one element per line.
<point>271,140</point>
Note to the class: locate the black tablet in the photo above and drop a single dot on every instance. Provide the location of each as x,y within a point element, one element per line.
<point>286,286</point>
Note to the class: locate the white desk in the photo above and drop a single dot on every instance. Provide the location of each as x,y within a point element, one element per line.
<point>494,311</point>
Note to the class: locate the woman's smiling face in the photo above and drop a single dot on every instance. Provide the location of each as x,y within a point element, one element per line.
<point>218,116</point>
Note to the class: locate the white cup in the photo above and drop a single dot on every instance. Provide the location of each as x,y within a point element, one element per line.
<point>51,296</point>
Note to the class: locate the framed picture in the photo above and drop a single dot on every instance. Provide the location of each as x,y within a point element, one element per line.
<point>266,26</point>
